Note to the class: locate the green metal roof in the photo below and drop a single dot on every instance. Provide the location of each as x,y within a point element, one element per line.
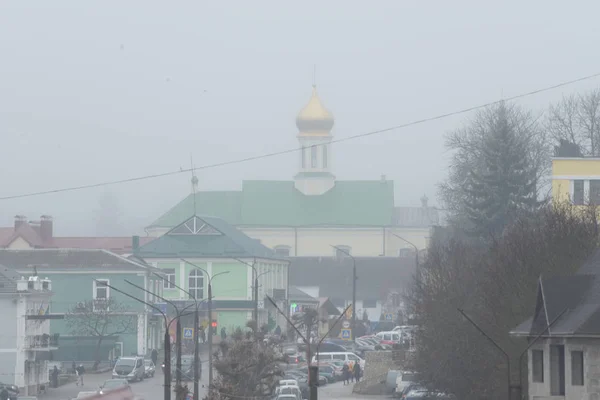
<point>206,237</point>
<point>279,203</point>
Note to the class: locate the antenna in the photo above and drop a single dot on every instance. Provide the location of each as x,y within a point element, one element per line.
<point>194,181</point>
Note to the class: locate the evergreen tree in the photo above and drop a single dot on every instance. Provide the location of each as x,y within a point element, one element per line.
<point>495,173</point>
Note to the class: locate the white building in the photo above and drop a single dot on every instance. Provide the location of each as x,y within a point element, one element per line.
<point>25,346</point>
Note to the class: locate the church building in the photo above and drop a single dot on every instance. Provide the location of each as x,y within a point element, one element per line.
<point>314,213</point>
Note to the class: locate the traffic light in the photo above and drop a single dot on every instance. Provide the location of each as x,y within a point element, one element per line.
<point>214,324</point>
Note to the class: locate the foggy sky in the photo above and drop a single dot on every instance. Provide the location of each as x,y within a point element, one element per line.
<point>94,91</point>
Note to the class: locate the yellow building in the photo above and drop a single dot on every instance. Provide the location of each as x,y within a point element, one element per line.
<point>576,179</point>
<point>308,215</point>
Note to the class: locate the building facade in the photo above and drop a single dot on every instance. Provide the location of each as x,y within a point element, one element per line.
<point>78,277</point>
<point>207,249</point>
<point>576,180</point>
<point>306,215</point>
<point>25,346</point>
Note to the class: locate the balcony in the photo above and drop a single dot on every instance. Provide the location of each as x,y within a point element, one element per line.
<point>41,342</point>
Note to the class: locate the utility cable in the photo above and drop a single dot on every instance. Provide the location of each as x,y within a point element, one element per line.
<point>296,149</point>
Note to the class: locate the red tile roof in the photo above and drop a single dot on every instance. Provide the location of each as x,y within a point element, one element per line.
<point>118,244</point>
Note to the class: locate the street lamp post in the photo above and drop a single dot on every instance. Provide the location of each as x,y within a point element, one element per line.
<point>416,255</point>
<point>196,345</point>
<point>210,332</point>
<point>354,278</point>
<point>178,333</point>
<point>166,339</point>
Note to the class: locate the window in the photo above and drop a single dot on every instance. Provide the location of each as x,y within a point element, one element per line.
<point>101,290</point>
<point>352,357</point>
<point>578,192</point>
<point>196,284</point>
<point>282,251</point>
<point>313,156</point>
<point>342,251</point>
<point>303,157</point>
<point>577,368</point>
<point>324,156</point>
<point>595,192</point>
<point>339,357</point>
<point>169,282</point>
<point>537,362</point>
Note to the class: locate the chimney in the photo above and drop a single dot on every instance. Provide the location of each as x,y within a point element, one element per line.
<point>46,228</point>
<point>424,201</point>
<point>383,178</point>
<point>135,243</point>
<point>19,221</point>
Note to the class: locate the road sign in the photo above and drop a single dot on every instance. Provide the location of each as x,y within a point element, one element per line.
<point>188,333</point>
<point>346,324</point>
<point>346,334</point>
<point>389,317</point>
<point>161,306</point>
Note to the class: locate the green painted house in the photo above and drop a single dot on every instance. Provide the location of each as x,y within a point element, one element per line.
<point>78,279</point>
<point>199,249</point>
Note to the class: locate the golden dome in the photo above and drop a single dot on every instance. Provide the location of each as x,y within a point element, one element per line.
<point>314,116</point>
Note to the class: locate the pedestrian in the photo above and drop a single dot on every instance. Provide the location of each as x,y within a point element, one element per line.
<point>55,377</point>
<point>345,373</point>
<point>351,370</point>
<point>80,371</point>
<point>4,394</point>
<point>223,333</point>
<point>357,371</point>
<point>74,368</point>
<point>154,356</point>
<point>202,335</point>
<point>278,330</point>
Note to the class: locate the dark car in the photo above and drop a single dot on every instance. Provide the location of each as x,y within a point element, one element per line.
<point>13,390</point>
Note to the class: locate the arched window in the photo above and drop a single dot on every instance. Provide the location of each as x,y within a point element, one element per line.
<point>324,147</point>
<point>196,284</point>
<point>313,156</point>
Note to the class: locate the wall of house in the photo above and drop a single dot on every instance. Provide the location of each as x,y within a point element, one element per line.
<point>8,339</point>
<point>591,371</point>
<point>363,241</point>
<point>19,244</point>
<point>70,288</point>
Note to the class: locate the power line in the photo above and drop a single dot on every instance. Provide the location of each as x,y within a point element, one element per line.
<point>295,149</point>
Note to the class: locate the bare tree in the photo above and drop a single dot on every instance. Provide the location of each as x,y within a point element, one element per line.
<point>576,119</point>
<point>246,368</point>
<point>100,319</point>
<point>495,283</point>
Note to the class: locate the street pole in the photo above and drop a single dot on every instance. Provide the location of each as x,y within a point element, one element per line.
<point>354,279</point>
<point>418,270</point>
<point>508,387</point>
<point>210,337</point>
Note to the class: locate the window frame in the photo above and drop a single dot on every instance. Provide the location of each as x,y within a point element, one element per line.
<point>578,200</point>
<point>167,282</point>
<point>197,276</point>
<point>324,156</point>
<point>577,377</point>
<point>314,161</point>
<point>96,287</point>
<point>537,358</point>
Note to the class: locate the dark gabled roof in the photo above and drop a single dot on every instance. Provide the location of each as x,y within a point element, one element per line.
<point>569,304</point>
<point>67,259</point>
<point>333,275</point>
<point>202,236</point>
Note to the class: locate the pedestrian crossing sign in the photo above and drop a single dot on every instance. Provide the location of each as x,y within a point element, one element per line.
<point>389,317</point>
<point>346,334</point>
<point>188,333</point>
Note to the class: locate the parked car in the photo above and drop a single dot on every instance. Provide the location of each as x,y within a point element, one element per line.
<point>328,372</point>
<point>390,337</point>
<point>130,368</point>
<point>405,379</point>
<point>13,390</point>
<point>149,368</point>
<point>345,357</point>
<point>293,390</point>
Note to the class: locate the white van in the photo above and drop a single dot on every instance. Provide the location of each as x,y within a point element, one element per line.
<point>344,357</point>
<point>389,338</point>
